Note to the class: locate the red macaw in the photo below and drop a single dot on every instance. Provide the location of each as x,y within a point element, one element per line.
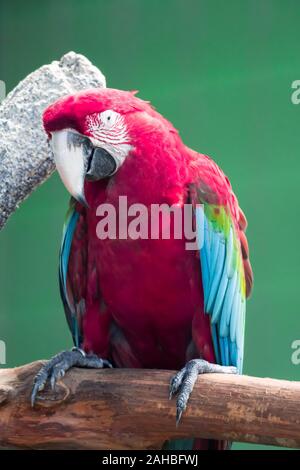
<point>136,302</point>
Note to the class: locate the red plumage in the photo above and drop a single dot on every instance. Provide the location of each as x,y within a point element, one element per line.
<point>144,304</point>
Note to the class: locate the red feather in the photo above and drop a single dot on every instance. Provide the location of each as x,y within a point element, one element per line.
<point>143,298</point>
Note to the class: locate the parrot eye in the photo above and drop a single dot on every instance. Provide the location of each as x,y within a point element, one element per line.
<point>109,118</point>
<point>107,130</point>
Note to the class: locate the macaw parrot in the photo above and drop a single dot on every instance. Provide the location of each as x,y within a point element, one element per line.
<point>145,303</point>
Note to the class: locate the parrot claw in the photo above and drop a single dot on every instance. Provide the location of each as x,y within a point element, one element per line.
<point>55,368</point>
<point>184,380</point>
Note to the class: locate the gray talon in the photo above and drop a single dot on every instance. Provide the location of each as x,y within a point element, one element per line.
<point>57,373</point>
<point>178,415</point>
<point>184,380</point>
<point>56,368</point>
<point>175,382</point>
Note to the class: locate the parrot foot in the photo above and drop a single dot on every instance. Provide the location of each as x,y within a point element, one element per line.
<point>56,368</point>
<point>184,380</point>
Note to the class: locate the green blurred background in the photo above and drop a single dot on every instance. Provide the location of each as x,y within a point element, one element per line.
<point>222,73</point>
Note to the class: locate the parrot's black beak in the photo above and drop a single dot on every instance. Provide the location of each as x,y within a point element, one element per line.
<point>77,159</point>
<point>100,165</point>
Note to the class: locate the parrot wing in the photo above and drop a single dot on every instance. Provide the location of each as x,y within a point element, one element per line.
<point>225,267</point>
<point>72,275</point>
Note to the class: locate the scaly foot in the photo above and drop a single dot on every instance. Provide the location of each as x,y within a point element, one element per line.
<point>60,363</point>
<point>183,381</point>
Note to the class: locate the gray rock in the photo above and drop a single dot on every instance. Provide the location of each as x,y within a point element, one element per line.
<point>25,157</point>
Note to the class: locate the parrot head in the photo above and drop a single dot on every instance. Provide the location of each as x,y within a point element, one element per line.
<point>92,133</point>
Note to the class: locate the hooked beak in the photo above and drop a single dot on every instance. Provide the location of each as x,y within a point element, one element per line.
<point>76,159</point>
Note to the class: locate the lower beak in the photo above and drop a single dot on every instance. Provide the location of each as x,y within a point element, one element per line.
<point>76,159</point>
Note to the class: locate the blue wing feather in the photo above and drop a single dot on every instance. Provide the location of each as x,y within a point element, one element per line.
<point>227,306</point>
<point>64,255</point>
<point>223,297</point>
<point>216,278</point>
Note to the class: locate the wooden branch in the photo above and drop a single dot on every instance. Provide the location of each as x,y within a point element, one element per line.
<point>130,409</point>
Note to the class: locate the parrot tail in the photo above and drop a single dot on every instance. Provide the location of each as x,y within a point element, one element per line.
<point>197,444</point>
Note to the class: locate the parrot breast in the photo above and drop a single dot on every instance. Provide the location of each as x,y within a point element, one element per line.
<point>151,288</point>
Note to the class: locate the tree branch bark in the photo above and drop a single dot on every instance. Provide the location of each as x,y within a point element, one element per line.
<point>130,409</point>
<point>26,160</point>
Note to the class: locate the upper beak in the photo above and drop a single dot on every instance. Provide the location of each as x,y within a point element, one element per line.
<point>76,159</point>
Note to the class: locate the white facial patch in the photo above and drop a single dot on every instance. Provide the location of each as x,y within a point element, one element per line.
<point>108,130</point>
